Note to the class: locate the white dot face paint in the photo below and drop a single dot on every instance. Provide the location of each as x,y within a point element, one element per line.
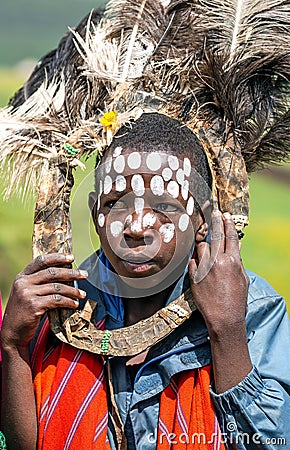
<point>149,220</point>
<point>153,161</point>
<point>101,220</point>
<point>136,226</point>
<point>185,190</point>
<point>116,228</point>
<point>173,162</point>
<point>187,167</point>
<point>190,206</point>
<point>139,205</point>
<point>119,164</point>
<point>117,151</point>
<point>157,185</point>
<point>183,222</point>
<point>167,174</point>
<point>180,176</point>
<point>108,183</point>
<point>134,160</point>
<point>138,185</point>
<point>101,187</point>
<point>120,183</point>
<point>173,189</point>
<point>167,232</point>
<point>128,219</point>
<point>108,165</point>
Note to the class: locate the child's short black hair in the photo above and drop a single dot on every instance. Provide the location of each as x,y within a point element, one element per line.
<point>156,132</point>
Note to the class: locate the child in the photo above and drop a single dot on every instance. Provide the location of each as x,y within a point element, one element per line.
<point>219,380</point>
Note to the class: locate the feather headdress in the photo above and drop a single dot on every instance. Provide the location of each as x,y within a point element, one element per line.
<point>220,67</point>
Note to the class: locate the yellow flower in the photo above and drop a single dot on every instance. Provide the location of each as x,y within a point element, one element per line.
<point>109,118</point>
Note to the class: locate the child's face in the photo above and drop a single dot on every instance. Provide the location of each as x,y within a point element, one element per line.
<point>145,214</point>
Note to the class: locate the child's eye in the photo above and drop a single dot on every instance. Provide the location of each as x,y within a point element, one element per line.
<point>166,207</point>
<point>116,204</point>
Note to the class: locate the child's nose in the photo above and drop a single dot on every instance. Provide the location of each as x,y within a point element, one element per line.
<point>139,223</point>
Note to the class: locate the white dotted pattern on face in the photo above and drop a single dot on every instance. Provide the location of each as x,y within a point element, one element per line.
<point>149,220</point>
<point>129,219</point>
<point>167,174</point>
<point>138,186</point>
<point>157,185</point>
<point>190,206</point>
<point>187,167</point>
<point>153,161</point>
<point>183,222</point>
<point>120,183</point>
<point>101,220</point>
<point>185,190</point>
<point>107,184</point>
<point>117,151</point>
<point>136,226</point>
<point>139,205</point>
<point>116,228</point>
<point>167,232</point>
<point>180,176</point>
<point>119,164</point>
<point>173,189</point>
<point>173,162</point>
<point>108,165</point>
<point>134,160</point>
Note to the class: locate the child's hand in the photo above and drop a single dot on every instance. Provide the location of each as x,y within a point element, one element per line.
<point>218,280</point>
<point>41,286</point>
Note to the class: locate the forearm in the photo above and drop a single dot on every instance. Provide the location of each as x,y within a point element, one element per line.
<point>19,422</point>
<point>230,356</point>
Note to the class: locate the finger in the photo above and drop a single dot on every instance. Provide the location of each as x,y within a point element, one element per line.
<point>54,301</point>
<point>217,236</point>
<point>61,289</point>
<point>44,261</point>
<point>203,253</point>
<point>231,236</point>
<point>58,274</point>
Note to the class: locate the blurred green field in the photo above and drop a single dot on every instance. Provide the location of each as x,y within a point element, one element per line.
<point>265,250</point>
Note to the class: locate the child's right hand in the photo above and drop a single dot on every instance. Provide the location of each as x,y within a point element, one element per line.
<point>38,288</point>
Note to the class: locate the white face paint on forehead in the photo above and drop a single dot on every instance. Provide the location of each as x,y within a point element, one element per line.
<point>119,164</point>
<point>180,176</point>
<point>139,205</point>
<point>116,228</point>
<point>134,160</point>
<point>153,161</point>
<point>167,174</point>
<point>138,185</point>
<point>173,162</point>
<point>185,190</point>
<point>108,183</point>
<point>121,183</point>
<point>108,165</point>
<point>117,151</point>
<point>173,189</point>
<point>187,167</point>
<point>167,231</point>
<point>157,185</point>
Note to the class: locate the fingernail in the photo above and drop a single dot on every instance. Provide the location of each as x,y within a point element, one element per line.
<point>84,273</point>
<point>69,258</point>
<point>83,293</point>
<point>76,303</point>
<point>227,215</point>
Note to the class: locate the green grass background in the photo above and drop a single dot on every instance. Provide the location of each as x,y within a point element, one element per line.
<point>29,29</point>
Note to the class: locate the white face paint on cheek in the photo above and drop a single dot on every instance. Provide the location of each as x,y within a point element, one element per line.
<point>138,185</point>
<point>116,228</point>
<point>120,183</point>
<point>101,220</point>
<point>134,160</point>
<point>173,162</point>
<point>183,222</point>
<point>108,183</point>
<point>167,174</point>
<point>167,232</point>
<point>157,185</point>
<point>139,205</point>
<point>149,220</point>
<point>173,189</point>
<point>187,167</point>
<point>119,164</point>
<point>190,206</point>
<point>153,161</point>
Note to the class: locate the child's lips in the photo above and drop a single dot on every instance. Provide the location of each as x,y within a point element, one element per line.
<point>139,266</point>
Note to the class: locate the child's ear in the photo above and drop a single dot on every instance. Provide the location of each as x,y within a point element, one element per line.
<point>202,232</point>
<point>202,222</point>
<point>92,205</point>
